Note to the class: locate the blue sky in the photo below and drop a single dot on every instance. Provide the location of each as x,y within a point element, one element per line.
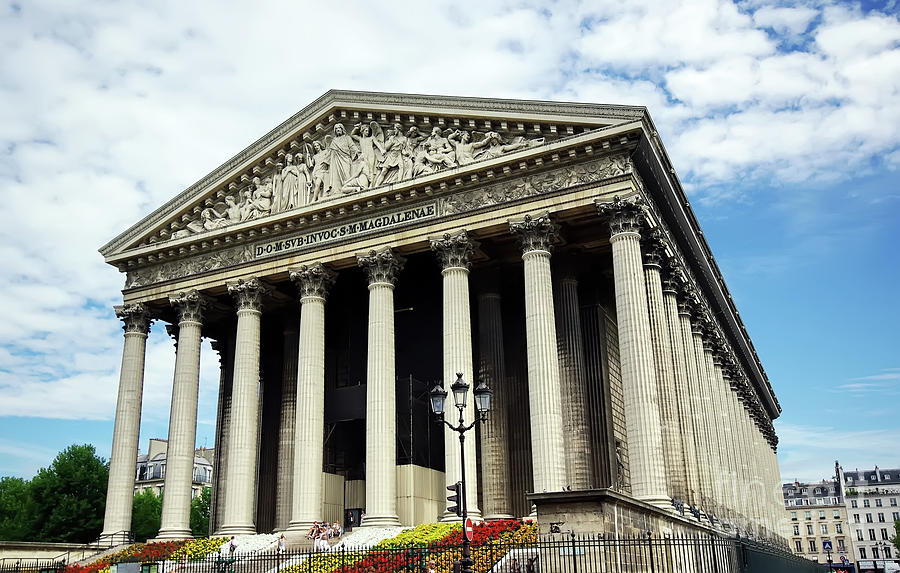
<point>781,119</point>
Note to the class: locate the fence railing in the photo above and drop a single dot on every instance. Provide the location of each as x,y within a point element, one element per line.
<point>563,553</point>
<point>14,565</point>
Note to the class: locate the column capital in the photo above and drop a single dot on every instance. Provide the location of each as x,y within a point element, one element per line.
<point>313,280</point>
<point>654,248</point>
<point>190,305</point>
<point>248,293</point>
<point>382,266</point>
<point>625,215</point>
<point>454,249</point>
<point>135,317</point>
<point>536,233</point>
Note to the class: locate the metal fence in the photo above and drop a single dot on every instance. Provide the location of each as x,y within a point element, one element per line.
<point>13,565</point>
<point>554,553</point>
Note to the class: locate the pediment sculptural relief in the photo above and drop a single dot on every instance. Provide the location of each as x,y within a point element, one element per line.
<point>344,163</point>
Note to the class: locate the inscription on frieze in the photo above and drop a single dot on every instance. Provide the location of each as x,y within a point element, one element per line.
<point>302,241</point>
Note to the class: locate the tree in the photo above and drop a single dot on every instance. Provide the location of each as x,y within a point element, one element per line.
<point>200,513</point>
<point>896,538</point>
<point>14,509</point>
<point>69,497</point>
<point>146,515</point>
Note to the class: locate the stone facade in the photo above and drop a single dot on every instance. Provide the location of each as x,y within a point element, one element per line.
<point>816,514</point>
<point>374,243</point>
<point>872,502</point>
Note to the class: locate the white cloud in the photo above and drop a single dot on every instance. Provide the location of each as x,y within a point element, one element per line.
<point>786,21</point>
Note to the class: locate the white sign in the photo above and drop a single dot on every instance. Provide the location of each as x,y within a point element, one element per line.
<point>346,230</point>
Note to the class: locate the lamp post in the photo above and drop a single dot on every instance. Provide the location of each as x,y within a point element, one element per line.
<point>460,391</point>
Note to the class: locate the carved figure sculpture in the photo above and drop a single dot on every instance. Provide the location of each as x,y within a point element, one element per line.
<point>464,148</point>
<point>395,166</point>
<point>495,146</point>
<point>341,150</point>
<point>370,140</point>
<point>291,185</point>
<point>436,154</point>
<point>319,171</point>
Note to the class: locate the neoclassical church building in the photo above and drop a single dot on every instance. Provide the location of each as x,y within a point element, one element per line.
<point>376,244</point>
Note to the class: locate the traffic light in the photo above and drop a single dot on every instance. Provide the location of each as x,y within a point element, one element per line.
<point>456,498</point>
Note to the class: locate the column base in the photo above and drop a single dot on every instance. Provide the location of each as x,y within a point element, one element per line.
<point>380,521</point>
<point>498,516</point>
<point>473,515</point>
<point>236,530</point>
<point>169,534</point>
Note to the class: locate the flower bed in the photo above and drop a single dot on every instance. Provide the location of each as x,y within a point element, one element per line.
<point>191,549</point>
<point>438,541</point>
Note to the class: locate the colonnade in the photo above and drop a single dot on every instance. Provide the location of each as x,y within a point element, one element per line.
<point>696,432</point>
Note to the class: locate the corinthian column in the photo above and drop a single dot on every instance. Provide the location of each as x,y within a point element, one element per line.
<point>286,429</point>
<point>381,419</point>
<point>642,415</point>
<point>176,505</point>
<point>547,447</point>
<point>120,488</point>
<point>571,379</point>
<point>494,431</point>
<point>682,395</point>
<point>673,455</point>
<point>455,251</point>
<point>313,282</point>
<point>238,512</point>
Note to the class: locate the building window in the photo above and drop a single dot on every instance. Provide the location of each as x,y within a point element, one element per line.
<point>834,501</point>
<point>874,553</point>
<point>809,529</point>
<point>838,528</point>
<point>871,535</point>
<point>893,502</point>
<point>881,517</point>
<point>841,546</point>
<point>824,529</point>
<point>821,514</point>
<point>796,530</point>
<point>812,545</point>
<point>862,552</point>
<point>837,514</point>
<point>868,518</point>
<point>852,503</point>
<point>798,545</point>
<point>887,476</point>
<point>865,503</point>
<point>859,535</point>
<point>820,501</point>
<point>887,552</point>
<point>896,516</point>
<point>793,516</point>
<point>884,534</point>
<point>808,515</point>
<point>855,518</point>
<point>877,503</point>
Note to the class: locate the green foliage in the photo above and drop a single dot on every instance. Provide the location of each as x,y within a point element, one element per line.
<point>68,498</point>
<point>14,509</point>
<point>200,513</point>
<point>896,538</point>
<point>146,515</point>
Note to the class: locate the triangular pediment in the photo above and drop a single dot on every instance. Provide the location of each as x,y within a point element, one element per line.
<point>347,144</point>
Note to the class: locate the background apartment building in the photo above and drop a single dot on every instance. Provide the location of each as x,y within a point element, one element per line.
<point>816,514</point>
<point>871,498</point>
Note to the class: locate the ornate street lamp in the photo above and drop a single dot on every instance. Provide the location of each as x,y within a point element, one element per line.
<point>438,395</point>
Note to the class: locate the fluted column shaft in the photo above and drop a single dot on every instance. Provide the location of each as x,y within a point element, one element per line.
<point>286,429</point>
<point>673,455</point>
<point>126,430</point>
<point>716,430</point>
<point>381,419</point>
<point>547,448</point>
<point>701,443</point>
<point>682,393</point>
<point>642,414</point>
<point>306,498</point>
<point>725,442</point>
<point>176,504</point>
<point>706,420</point>
<point>494,450</point>
<point>736,443</point>
<point>238,513</point>
<point>454,251</point>
<point>572,382</point>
